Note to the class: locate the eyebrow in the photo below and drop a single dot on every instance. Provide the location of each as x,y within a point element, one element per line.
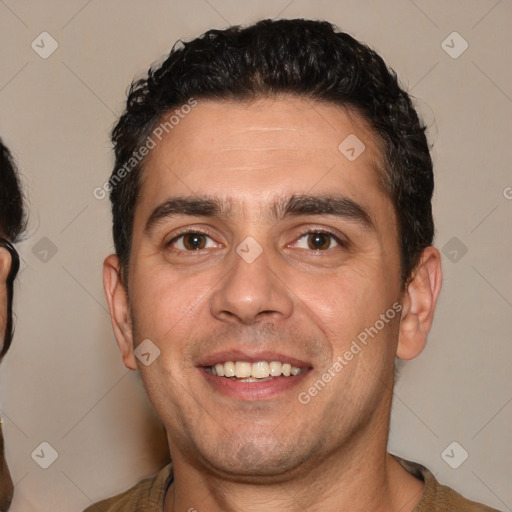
<point>296,205</point>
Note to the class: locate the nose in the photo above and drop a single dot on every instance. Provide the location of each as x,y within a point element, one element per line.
<point>251,292</point>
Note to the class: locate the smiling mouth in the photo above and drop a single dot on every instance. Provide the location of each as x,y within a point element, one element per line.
<point>261,371</point>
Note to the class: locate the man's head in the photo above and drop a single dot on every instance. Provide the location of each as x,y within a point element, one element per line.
<point>279,214</point>
<point>303,58</point>
<point>11,225</point>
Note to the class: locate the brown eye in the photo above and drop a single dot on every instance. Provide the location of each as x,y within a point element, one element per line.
<point>194,241</point>
<point>319,241</point>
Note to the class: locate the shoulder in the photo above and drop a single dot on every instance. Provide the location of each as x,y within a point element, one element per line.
<point>444,498</point>
<point>438,497</point>
<point>146,496</point>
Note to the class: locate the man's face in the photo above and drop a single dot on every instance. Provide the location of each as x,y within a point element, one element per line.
<point>326,272</point>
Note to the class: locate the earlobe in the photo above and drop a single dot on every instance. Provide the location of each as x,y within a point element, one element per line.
<point>419,303</point>
<point>118,306</point>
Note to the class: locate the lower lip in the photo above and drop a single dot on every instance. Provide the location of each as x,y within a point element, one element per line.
<point>253,390</point>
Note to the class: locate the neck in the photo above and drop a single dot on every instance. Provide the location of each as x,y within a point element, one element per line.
<point>357,477</point>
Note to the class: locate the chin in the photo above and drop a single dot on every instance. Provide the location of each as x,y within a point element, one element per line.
<point>247,460</point>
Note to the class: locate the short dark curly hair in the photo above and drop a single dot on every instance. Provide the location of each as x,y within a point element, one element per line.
<point>305,58</point>
<point>12,224</point>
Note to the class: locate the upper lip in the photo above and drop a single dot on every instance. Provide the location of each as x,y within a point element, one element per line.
<point>251,357</point>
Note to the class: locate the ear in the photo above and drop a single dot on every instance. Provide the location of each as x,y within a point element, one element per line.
<point>5,267</point>
<point>419,303</point>
<point>5,264</point>
<point>118,306</point>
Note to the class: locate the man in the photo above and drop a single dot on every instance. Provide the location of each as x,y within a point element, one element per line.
<point>273,233</point>
<point>11,225</point>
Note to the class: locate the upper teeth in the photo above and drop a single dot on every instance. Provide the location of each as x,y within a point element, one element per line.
<point>259,370</point>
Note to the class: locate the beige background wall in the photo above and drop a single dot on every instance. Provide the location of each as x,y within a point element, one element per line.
<point>63,382</point>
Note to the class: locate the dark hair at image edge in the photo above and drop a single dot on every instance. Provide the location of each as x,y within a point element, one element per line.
<point>309,59</point>
<point>12,224</point>
<point>12,215</point>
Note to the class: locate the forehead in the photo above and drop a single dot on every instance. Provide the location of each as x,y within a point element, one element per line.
<point>249,151</point>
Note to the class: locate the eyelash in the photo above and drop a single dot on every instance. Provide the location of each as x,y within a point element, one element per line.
<point>340,242</point>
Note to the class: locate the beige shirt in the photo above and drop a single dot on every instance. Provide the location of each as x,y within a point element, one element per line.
<point>148,495</point>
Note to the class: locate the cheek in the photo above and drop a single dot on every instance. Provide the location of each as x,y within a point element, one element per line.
<point>345,289</point>
<point>166,305</point>
<point>346,302</point>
